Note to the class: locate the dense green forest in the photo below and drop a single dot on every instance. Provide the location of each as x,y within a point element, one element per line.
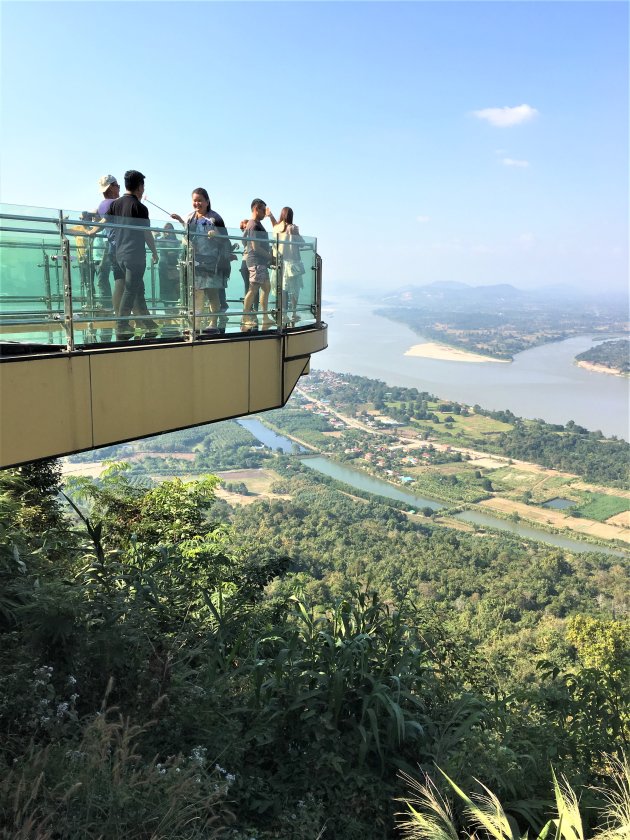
<point>171,667</point>
<point>611,354</point>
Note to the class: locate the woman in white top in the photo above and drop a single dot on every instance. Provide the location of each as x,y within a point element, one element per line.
<point>289,262</point>
<point>211,251</point>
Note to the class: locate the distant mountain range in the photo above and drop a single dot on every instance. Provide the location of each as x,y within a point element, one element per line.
<point>500,296</point>
<point>499,293</point>
<point>444,290</point>
<point>501,320</point>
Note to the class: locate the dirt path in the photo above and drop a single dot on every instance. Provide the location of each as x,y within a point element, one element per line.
<point>538,516</point>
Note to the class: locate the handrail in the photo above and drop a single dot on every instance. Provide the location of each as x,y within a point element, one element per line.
<point>51,262</point>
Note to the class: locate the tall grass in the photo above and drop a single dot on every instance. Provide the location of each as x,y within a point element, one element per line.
<point>101,788</point>
<point>429,815</point>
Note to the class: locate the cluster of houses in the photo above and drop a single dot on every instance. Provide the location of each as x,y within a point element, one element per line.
<point>385,458</point>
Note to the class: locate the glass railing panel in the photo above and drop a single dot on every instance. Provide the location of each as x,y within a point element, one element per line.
<point>305,302</point>
<point>33,307</point>
<point>294,261</point>
<point>106,310</point>
<point>237,283</point>
<point>209,251</point>
<point>31,277</point>
<point>168,294</point>
<point>220,279</point>
<point>92,312</point>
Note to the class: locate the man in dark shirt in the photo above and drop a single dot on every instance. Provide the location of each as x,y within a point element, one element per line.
<point>131,254</point>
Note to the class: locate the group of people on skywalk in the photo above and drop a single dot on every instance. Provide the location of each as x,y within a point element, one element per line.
<point>127,236</point>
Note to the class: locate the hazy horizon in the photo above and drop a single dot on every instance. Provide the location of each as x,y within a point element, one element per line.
<point>617,295</point>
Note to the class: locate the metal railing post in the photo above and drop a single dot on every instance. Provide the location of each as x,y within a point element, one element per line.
<point>153,287</point>
<point>318,288</point>
<point>68,322</point>
<point>280,319</point>
<point>47,290</point>
<point>190,285</point>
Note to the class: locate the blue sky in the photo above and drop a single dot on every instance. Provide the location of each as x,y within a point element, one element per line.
<point>482,142</point>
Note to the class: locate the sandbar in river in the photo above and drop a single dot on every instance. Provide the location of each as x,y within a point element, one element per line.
<point>433,350</point>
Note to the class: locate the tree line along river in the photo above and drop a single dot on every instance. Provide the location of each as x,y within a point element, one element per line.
<point>361,481</point>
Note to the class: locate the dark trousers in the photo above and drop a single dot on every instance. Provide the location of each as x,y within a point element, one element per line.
<point>133,300</point>
<point>108,263</point>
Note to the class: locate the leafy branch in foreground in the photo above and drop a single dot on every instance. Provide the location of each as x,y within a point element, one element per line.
<point>429,815</point>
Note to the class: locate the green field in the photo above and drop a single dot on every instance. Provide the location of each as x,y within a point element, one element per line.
<point>601,507</point>
<point>466,428</point>
<point>541,486</point>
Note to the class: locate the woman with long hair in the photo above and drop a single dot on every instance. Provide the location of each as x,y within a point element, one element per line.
<point>289,263</point>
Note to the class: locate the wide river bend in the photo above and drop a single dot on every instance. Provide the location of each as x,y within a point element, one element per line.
<point>543,382</point>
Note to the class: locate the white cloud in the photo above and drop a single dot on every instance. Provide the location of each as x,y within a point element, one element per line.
<point>527,241</point>
<point>506,116</point>
<point>423,218</point>
<point>453,246</point>
<point>512,162</point>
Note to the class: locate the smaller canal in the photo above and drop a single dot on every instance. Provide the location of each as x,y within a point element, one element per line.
<point>361,481</point>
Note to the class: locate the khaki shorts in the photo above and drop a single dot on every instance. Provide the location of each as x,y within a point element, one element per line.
<point>258,274</point>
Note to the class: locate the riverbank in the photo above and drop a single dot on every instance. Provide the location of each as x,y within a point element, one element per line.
<point>543,382</point>
<point>559,522</point>
<point>601,369</point>
<point>533,522</point>
<point>446,353</point>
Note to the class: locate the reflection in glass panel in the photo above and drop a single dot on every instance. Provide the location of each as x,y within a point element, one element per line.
<point>197,289</point>
<point>31,278</point>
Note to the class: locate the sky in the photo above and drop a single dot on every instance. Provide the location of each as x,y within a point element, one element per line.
<point>478,142</point>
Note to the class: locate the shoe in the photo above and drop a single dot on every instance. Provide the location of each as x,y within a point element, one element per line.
<point>150,334</point>
<point>211,331</point>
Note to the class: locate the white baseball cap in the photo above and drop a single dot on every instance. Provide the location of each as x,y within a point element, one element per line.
<point>105,182</point>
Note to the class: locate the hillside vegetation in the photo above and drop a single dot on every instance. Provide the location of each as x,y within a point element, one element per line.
<point>171,667</point>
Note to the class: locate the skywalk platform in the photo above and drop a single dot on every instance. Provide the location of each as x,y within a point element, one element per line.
<point>66,384</point>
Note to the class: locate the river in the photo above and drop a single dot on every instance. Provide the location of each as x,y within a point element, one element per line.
<point>543,382</point>
<point>361,481</point>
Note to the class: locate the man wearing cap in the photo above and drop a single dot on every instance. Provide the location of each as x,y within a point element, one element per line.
<point>132,238</point>
<point>110,189</point>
